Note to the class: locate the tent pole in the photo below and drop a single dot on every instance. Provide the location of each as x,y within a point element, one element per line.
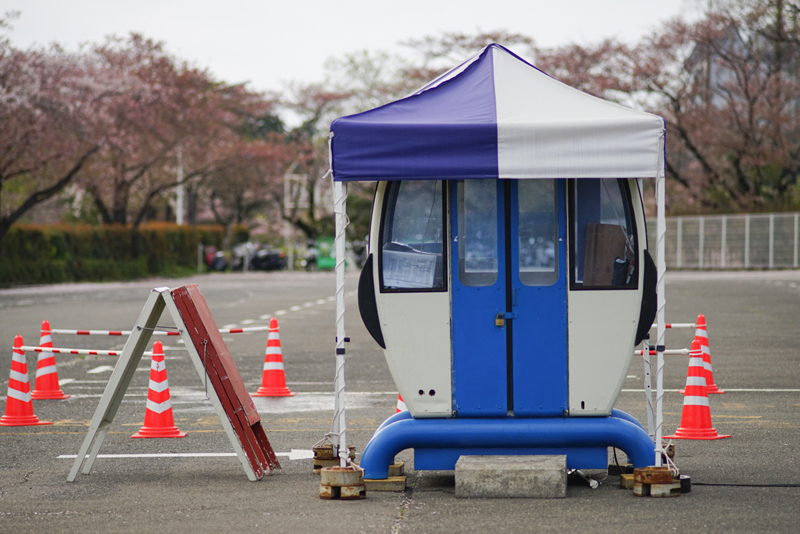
<point>339,424</point>
<point>661,268</point>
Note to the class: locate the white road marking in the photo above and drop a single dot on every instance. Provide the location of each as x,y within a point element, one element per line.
<point>281,312</point>
<point>248,321</point>
<point>295,308</point>
<point>100,369</point>
<point>63,381</point>
<point>266,317</point>
<point>294,454</point>
<point>728,390</point>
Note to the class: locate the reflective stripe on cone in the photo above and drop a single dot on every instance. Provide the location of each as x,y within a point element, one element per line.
<point>273,377</point>
<point>696,416</point>
<point>158,421</point>
<point>46,385</point>
<point>19,406</point>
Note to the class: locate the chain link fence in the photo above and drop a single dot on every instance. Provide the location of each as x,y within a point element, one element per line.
<point>749,241</point>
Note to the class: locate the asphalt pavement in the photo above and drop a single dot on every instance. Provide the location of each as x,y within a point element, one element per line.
<point>747,483</point>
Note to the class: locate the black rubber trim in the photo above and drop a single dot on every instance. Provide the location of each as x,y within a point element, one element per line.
<point>366,302</point>
<point>647,313</point>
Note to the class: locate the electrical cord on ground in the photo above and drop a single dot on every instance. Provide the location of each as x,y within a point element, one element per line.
<point>724,484</point>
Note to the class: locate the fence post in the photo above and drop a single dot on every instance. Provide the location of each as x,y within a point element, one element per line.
<point>199,258</point>
<point>747,241</point>
<point>795,239</point>
<point>771,239</point>
<point>701,241</point>
<point>722,261</point>
<point>679,252</point>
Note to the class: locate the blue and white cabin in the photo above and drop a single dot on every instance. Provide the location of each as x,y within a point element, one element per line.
<point>507,270</point>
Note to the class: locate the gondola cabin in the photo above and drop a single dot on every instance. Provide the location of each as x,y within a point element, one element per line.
<point>508,265</point>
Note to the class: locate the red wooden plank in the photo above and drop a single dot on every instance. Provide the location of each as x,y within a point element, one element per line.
<point>215,338</point>
<point>225,376</point>
<point>220,357</point>
<point>230,406</point>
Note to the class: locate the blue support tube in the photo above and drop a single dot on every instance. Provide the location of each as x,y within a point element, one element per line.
<point>405,433</point>
<point>399,416</point>
<point>619,414</point>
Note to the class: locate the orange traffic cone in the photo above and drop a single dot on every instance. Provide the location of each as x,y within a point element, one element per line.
<point>158,422</point>
<point>19,408</point>
<point>46,386</point>
<point>701,334</point>
<point>273,379</point>
<point>401,406</point>
<point>696,417</point>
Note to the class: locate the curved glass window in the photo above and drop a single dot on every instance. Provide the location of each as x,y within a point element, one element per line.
<point>412,252</point>
<point>603,235</point>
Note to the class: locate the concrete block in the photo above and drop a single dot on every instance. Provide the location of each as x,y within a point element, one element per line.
<point>532,477</point>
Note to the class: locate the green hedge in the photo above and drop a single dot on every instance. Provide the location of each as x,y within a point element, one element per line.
<point>39,254</point>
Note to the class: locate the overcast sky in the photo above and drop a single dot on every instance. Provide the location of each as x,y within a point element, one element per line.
<point>270,42</point>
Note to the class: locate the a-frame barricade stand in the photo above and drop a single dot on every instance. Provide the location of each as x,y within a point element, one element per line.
<point>214,365</point>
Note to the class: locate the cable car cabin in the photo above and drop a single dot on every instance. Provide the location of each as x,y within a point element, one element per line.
<point>500,298</point>
<point>507,263</point>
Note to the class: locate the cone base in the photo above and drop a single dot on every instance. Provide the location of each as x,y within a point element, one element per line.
<point>273,392</point>
<point>22,420</point>
<point>151,432</point>
<point>49,395</point>
<point>704,434</point>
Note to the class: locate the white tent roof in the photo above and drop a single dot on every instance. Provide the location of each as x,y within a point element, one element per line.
<point>497,116</point>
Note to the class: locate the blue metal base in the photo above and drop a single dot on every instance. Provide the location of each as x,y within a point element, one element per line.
<point>438,442</point>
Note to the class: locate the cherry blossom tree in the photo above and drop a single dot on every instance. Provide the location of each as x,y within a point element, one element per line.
<point>49,133</point>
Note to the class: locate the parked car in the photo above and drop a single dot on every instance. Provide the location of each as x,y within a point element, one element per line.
<point>259,257</point>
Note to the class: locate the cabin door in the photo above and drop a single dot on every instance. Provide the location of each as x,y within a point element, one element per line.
<point>509,298</point>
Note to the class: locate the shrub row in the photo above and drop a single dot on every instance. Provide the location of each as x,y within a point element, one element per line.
<point>39,254</point>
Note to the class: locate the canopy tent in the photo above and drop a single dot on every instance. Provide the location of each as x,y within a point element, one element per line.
<point>498,116</point>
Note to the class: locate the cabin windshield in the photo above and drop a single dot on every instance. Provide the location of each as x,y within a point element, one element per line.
<point>413,235</point>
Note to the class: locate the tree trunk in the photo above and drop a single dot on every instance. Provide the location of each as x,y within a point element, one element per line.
<point>191,204</point>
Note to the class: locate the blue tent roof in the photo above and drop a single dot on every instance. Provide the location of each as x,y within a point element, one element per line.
<point>496,116</point>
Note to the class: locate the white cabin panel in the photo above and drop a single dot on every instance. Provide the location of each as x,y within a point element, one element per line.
<point>602,327</point>
<point>416,329</point>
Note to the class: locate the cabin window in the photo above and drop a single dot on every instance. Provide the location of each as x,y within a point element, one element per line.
<point>477,232</point>
<point>412,251</point>
<point>603,235</point>
<point>538,232</point>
